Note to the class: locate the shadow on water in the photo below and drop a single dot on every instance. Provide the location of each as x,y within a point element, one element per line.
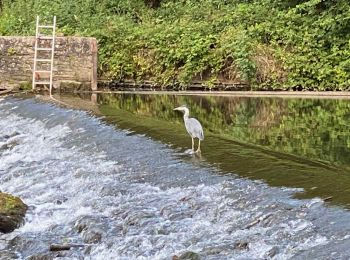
<point>291,142</point>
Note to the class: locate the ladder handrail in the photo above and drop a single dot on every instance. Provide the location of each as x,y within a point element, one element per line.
<point>35,50</point>
<point>52,52</point>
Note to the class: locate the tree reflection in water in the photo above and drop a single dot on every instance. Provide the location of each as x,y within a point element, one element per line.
<point>313,128</point>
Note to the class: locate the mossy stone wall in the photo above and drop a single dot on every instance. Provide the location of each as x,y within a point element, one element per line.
<point>74,62</point>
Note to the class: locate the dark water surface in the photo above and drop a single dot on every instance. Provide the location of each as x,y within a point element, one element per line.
<point>118,181</point>
<point>292,142</point>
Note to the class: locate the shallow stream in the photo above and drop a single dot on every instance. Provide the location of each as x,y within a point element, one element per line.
<point>111,174</point>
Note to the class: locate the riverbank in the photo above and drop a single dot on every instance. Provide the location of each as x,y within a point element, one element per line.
<point>263,44</point>
<point>291,94</point>
<point>6,91</point>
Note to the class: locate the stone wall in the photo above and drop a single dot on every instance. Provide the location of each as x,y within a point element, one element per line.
<point>75,62</point>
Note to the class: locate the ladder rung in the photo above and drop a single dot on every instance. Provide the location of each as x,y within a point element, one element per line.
<point>45,26</point>
<point>42,82</point>
<point>43,71</point>
<point>44,49</point>
<point>45,37</point>
<point>43,60</point>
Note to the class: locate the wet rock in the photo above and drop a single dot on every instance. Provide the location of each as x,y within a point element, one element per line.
<point>138,218</point>
<point>27,245</point>
<point>5,137</point>
<point>4,255</point>
<point>91,228</point>
<point>57,255</point>
<point>259,220</point>
<point>65,246</point>
<point>46,256</point>
<point>241,245</point>
<point>12,212</point>
<point>93,235</point>
<point>109,190</point>
<point>8,145</point>
<point>12,142</point>
<point>87,250</point>
<point>213,251</point>
<point>55,247</point>
<point>84,223</point>
<point>162,231</point>
<point>61,200</point>
<point>329,198</point>
<point>3,146</point>
<point>189,255</point>
<point>272,252</point>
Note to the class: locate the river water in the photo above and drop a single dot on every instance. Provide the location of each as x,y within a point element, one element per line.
<point>117,182</point>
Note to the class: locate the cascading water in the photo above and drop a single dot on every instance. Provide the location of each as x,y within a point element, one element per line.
<point>122,196</point>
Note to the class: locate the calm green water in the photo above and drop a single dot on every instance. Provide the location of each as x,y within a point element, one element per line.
<point>303,143</point>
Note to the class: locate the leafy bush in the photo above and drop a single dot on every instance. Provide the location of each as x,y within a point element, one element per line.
<point>265,44</point>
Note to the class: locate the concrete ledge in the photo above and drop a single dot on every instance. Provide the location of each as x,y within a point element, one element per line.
<point>282,94</point>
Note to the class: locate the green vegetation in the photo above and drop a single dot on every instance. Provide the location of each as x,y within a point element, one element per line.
<point>293,44</point>
<point>25,86</point>
<point>9,204</point>
<point>11,51</point>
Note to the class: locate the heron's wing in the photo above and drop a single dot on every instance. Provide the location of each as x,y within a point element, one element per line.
<point>194,128</point>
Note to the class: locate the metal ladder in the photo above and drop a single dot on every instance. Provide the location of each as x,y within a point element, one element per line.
<point>39,39</point>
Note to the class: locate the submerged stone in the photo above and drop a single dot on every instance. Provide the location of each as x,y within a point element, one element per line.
<point>189,255</point>
<point>272,252</point>
<point>241,245</point>
<point>7,255</point>
<point>12,212</point>
<point>92,228</point>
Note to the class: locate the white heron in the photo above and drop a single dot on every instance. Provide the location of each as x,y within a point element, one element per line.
<point>193,127</point>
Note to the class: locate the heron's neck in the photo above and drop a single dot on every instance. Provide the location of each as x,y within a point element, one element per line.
<point>186,114</point>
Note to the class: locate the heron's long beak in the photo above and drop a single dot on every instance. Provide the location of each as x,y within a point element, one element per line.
<point>176,108</point>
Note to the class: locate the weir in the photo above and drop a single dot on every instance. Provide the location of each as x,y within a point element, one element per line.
<point>142,197</point>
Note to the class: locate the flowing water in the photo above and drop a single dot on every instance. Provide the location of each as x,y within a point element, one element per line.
<point>117,181</point>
